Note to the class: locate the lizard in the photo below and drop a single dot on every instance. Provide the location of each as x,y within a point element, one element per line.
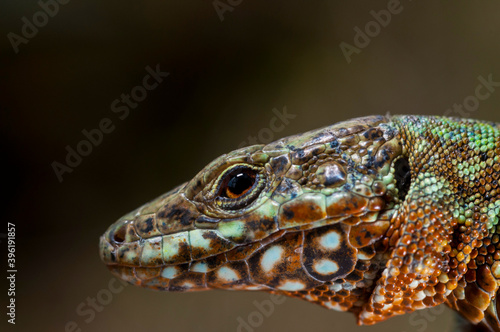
<point>378,216</point>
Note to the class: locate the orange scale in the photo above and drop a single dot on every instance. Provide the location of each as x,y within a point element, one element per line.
<point>486,280</point>
<point>399,284</point>
<point>376,204</point>
<point>400,251</point>
<point>421,286</point>
<point>418,255</point>
<point>388,301</point>
<point>389,295</point>
<point>355,220</point>
<point>406,239</point>
<point>422,243</point>
<point>489,260</point>
<point>407,261</point>
<point>406,302</point>
<point>242,252</point>
<point>430,262</point>
<point>407,280</point>
<point>390,231</point>
<point>397,222</point>
<point>391,280</point>
<point>394,238</point>
<point>324,298</point>
<point>410,228</point>
<point>337,298</point>
<point>412,248</point>
<point>396,262</point>
<point>440,288</point>
<point>419,225</point>
<point>433,247</point>
<point>433,280</point>
<point>470,276</point>
<point>429,302</point>
<point>412,216</point>
<point>453,275</point>
<point>462,268</point>
<point>452,284</point>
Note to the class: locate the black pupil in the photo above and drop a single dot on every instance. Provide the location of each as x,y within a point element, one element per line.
<point>403,177</point>
<point>239,183</point>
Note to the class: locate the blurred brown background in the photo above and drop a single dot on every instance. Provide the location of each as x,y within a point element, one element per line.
<point>226,77</point>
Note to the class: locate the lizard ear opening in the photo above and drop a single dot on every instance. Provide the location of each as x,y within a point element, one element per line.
<point>402,174</point>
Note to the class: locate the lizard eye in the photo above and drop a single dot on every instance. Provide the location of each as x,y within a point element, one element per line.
<point>239,186</point>
<point>402,175</point>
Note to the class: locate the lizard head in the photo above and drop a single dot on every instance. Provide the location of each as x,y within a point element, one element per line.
<point>329,216</point>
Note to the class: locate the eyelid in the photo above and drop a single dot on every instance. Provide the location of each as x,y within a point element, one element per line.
<point>247,198</point>
<point>221,179</point>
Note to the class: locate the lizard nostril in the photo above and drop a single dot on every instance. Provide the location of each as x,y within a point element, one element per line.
<point>119,233</point>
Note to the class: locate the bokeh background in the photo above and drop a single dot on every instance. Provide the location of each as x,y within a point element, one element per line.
<point>225,78</point>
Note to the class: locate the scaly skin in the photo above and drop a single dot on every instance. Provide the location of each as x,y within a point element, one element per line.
<point>377,216</point>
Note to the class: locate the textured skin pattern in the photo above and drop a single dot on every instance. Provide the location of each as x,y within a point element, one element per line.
<point>377,216</point>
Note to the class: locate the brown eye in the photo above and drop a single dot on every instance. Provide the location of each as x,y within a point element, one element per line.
<point>237,182</point>
<point>239,186</point>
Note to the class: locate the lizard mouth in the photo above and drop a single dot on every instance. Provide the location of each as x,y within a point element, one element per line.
<point>228,268</point>
<point>193,276</point>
